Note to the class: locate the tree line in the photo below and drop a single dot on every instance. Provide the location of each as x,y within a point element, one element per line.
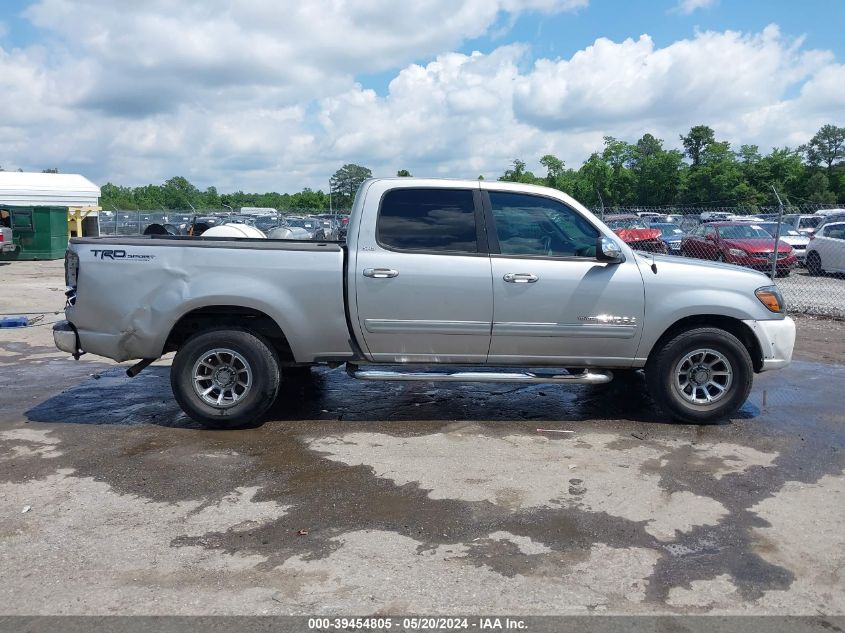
<point>706,170</point>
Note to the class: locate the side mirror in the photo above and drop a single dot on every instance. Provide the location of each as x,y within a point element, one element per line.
<point>607,250</point>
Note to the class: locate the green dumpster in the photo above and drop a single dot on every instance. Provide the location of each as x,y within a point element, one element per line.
<point>39,232</point>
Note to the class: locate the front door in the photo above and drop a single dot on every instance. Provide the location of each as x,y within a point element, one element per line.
<point>555,303</point>
<point>423,278</point>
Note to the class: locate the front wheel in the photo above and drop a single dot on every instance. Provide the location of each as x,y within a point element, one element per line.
<point>700,376</point>
<point>225,378</point>
<point>814,264</point>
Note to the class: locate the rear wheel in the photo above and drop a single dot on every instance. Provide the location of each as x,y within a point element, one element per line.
<point>814,264</point>
<point>225,378</point>
<point>700,376</point>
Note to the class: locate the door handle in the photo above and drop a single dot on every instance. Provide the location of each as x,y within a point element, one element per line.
<point>520,278</point>
<point>381,273</point>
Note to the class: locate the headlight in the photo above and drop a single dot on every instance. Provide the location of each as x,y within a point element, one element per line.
<point>737,252</point>
<point>770,297</point>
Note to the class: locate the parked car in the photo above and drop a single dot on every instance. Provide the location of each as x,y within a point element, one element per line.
<point>635,233</point>
<point>829,218</point>
<point>798,241</point>
<point>671,235</point>
<point>435,272</point>
<point>313,227</point>
<point>803,223</point>
<point>714,216</point>
<point>742,243</point>
<point>826,251</point>
<point>268,222</point>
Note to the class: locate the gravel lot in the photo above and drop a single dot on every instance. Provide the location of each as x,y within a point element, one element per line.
<point>814,295</point>
<point>365,498</point>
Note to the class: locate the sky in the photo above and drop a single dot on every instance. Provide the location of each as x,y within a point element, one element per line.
<point>275,95</point>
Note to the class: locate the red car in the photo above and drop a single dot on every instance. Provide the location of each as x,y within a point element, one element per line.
<point>742,243</point>
<point>634,232</point>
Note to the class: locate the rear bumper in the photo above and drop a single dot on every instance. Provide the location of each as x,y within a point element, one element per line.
<point>66,337</point>
<point>7,247</point>
<point>777,340</point>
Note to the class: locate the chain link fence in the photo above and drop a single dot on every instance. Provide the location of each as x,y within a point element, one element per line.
<point>810,259</point>
<point>811,241</point>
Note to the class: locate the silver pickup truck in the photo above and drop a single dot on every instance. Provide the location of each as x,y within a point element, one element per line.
<point>482,278</point>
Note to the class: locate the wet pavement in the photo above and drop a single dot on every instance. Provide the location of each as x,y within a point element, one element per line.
<point>364,498</point>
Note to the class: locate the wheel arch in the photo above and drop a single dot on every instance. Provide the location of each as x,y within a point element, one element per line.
<point>220,316</point>
<point>729,324</point>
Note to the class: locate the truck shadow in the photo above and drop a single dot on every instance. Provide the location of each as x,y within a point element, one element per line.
<point>111,398</point>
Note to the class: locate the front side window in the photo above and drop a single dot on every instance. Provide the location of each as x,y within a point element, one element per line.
<point>532,225</point>
<point>440,220</point>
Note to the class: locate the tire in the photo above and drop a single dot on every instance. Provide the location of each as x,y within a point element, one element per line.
<point>238,372</point>
<point>814,264</point>
<point>672,384</point>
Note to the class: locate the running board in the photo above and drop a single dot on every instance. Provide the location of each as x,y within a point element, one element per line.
<point>587,377</point>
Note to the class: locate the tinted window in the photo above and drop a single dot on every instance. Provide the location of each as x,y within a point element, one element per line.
<point>836,231</point>
<point>531,225</point>
<point>428,220</point>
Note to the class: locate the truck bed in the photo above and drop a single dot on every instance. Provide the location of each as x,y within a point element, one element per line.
<point>135,289</point>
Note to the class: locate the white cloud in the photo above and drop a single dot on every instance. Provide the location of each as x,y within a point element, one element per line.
<point>268,99</point>
<point>685,7</point>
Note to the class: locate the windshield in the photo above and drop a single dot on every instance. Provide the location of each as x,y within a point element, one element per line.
<point>303,224</point>
<point>266,222</point>
<point>809,223</point>
<point>626,223</point>
<point>668,229</point>
<point>743,231</point>
<point>772,227</point>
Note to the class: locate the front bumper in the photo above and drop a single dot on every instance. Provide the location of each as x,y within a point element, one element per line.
<point>761,263</point>
<point>66,338</point>
<point>777,340</point>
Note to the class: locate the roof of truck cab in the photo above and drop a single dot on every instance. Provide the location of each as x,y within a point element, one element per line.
<point>30,189</point>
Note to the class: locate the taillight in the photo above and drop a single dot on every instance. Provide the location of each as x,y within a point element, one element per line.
<point>71,268</point>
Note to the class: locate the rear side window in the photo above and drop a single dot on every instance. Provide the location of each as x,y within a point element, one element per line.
<point>440,220</point>
<point>835,231</point>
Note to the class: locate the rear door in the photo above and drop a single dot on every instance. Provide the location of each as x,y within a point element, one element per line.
<point>422,275</point>
<point>554,302</point>
<point>833,252</point>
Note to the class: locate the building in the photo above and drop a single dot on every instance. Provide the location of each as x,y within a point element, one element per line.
<point>44,210</point>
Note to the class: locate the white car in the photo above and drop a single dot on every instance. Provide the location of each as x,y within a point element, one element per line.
<point>826,252</point>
